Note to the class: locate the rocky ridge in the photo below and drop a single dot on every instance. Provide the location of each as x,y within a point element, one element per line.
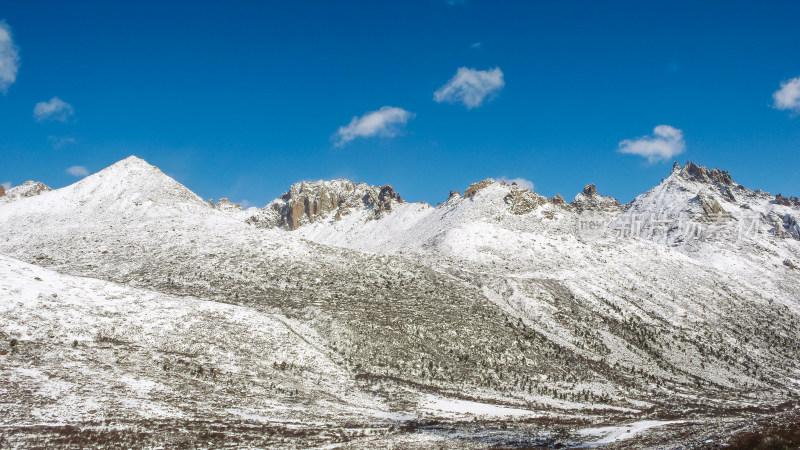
<point>307,202</point>
<point>225,204</point>
<point>589,199</point>
<point>25,190</point>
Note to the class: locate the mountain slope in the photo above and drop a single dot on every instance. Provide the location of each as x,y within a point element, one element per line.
<point>500,297</point>
<point>91,352</point>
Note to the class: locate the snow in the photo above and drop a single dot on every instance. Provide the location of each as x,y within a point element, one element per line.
<point>26,189</point>
<point>52,310</point>
<point>610,435</point>
<point>465,407</point>
<point>597,313</point>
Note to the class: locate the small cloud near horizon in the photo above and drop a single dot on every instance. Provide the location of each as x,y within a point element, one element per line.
<point>7,185</point>
<point>666,142</point>
<point>9,58</point>
<point>77,171</point>
<point>787,98</point>
<point>386,122</point>
<point>521,182</point>
<point>470,87</point>
<point>55,109</point>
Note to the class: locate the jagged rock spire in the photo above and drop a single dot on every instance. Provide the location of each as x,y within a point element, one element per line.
<point>306,202</point>
<point>700,174</point>
<point>589,199</point>
<point>787,201</point>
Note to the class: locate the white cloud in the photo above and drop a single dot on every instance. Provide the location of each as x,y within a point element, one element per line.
<point>788,96</point>
<point>476,45</point>
<point>78,171</point>
<point>385,122</point>
<point>7,185</point>
<point>9,58</point>
<point>470,86</point>
<point>521,182</point>
<point>61,141</point>
<point>55,109</point>
<point>665,143</point>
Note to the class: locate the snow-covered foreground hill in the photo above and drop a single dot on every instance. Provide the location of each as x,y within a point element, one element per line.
<point>140,312</point>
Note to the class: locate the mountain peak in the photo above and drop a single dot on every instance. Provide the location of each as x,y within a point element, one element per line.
<point>26,189</point>
<point>477,186</point>
<point>309,201</point>
<point>589,199</point>
<point>131,183</point>
<point>132,162</point>
<point>700,174</point>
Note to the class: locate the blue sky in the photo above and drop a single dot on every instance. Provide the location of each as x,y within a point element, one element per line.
<point>241,99</point>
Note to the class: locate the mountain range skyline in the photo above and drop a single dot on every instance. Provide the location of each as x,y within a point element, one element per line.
<point>426,95</point>
<point>342,313</point>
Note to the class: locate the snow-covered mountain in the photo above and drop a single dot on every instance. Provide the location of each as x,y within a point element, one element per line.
<point>26,189</point>
<point>340,312</point>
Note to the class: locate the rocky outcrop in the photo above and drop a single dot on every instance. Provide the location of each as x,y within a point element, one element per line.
<point>306,202</point>
<point>2,191</point>
<point>26,189</point>
<point>558,200</point>
<point>727,194</point>
<point>475,187</point>
<point>385,198</point>
<point>226,205</point>
<point>523,201</point>
<point>701,174</point>
<point>787,201</point>
<point>589,199</point>
<point>712,210</point>
<point>792,225</point>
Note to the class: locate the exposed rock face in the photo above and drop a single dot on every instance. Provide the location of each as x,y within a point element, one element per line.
<point>728,194</point>
<point>2,191</point>
<point>309,201</point>
<point>558,200</point>
<point>702,174</point>
<point>792,225</point>
<point>523,201</point>
<point>589,199</point>
<point>790,201</point>
<point>227,205</point>
<point>385,198</point>
<point>712,210</point>
<point>26,189</point>
<point>475,187</point>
